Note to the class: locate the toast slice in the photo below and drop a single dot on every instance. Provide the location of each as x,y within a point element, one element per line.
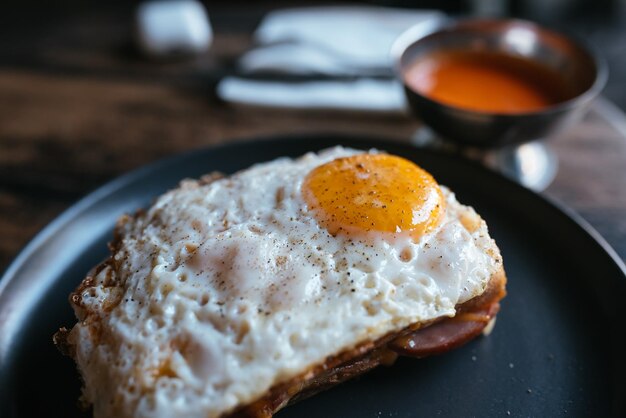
<point>168,328</point>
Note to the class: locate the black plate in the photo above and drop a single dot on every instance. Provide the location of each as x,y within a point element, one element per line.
<point>557,349</point>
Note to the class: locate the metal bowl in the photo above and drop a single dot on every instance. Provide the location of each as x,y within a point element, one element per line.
<point>581,68</point>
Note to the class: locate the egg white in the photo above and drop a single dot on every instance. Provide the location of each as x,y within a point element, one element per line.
<point>222,290</point>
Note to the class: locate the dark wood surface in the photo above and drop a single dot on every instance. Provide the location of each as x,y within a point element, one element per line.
<point>78,107</point>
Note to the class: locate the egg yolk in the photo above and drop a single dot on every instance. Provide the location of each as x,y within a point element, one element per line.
<point>374,193</point>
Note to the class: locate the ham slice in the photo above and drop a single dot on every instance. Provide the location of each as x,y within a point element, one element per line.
<point>445,335</point>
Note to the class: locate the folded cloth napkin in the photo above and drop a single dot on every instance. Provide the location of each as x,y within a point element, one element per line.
<point>329,42</point>
<point>360,95</point>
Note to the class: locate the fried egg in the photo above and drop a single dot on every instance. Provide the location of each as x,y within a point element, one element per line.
<point>223,289</point>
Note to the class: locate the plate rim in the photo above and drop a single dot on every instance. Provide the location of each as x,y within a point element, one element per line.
<point>307,142</point>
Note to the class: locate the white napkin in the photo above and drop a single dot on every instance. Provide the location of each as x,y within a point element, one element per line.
<point>332,42</point>
<point>361,95</point>
<point>349,40</point>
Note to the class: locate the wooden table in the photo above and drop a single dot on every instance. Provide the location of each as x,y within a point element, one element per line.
<point>78,108</point>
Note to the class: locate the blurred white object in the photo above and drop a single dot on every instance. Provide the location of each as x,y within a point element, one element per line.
<point>173,27</point>
<point>300,59</point>
<point>332,40</point>
<point>362,95</point>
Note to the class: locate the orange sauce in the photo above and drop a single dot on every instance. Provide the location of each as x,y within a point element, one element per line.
<point>486,81</point>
